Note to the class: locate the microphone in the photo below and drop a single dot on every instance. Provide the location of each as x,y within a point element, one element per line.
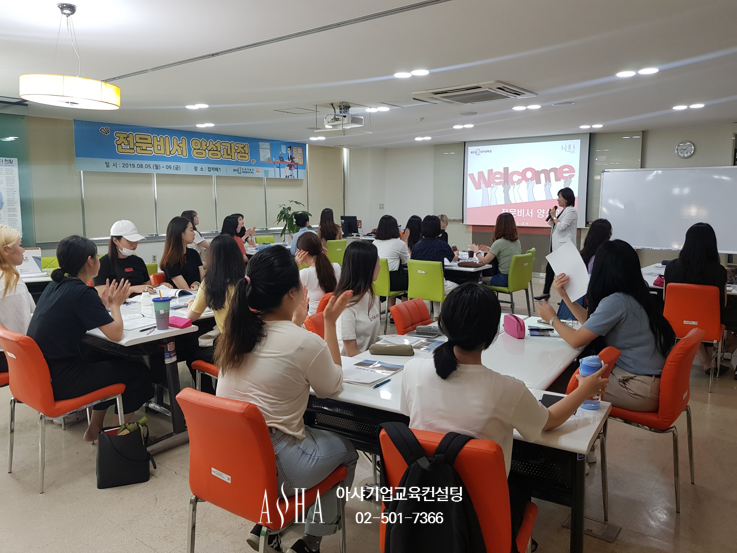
<point>554,207</point>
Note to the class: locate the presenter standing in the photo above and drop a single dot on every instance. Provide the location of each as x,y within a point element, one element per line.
<point>563,223</point>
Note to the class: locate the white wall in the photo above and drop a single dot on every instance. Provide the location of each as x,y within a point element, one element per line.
<point>365,187</point>
<point>409,182</point>
<point>714,146</point>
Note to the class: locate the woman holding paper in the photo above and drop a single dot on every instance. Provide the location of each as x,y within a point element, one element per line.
<point>563,225</point>
<point>622,310</point>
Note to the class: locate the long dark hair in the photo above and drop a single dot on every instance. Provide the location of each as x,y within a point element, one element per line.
<point>388,228</point>
<point>600,231</point>
<point>272,273</point>
<point>241,233</point>
<point>470,319</point>
<point>174,254</point>
<point>113,255</point>
<point>72,254</point>
<point>617,269</point>
<point>328,228</point>
<point>414,224</point>
<point>190,214</point>
<point>357,272</point>
<point>225,269</point>
<point>230,224</point>
<point>310,243</point>
<point>699,250</point>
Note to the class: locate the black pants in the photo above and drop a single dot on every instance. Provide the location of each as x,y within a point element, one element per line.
<point>85,377</point>
<point>3,362</point>
<point>398,280</point>
<point>549,276</point>
<point>206,355</point>
<point>519,496</point>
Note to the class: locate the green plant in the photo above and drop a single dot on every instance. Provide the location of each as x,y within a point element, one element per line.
<point>286,216</point>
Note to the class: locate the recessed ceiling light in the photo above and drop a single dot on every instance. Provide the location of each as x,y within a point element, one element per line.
<point>418,138</point>
<point>585,127</point>
<point>635,137</point>
<point>203,125</point>
<point>468,126</point>
<point>9,138</point>
<point>597,126</point>
<point>519,108</point>
<point>328,126</point>
<point>197,106</point>
<point>372,110</point>
<point>626,137</point>
<point>563,104</point>
<point>383,108</point>
<point>648,71</point>
<point>457,126</point>
<point>696,106</point>
<point>427,138</point>
<point>626,74</point>
<point>317,138</point>
<point>402,75</point>
<point>679,108</point>
<point>533,106</point>
<point>449,153</point>
<point>420,72</point>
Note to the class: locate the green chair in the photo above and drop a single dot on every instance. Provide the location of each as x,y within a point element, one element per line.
<point>382,287</point>
<point>49,263</point>
<point>336,251</point>
<point>426,281</point>
<point>152,268</point>
<point>264,239</point>
<point>519,270</point>
<point>532,292</point>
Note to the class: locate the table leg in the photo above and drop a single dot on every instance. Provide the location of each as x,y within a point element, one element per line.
<point>172,376</point>
<point>578,503</point>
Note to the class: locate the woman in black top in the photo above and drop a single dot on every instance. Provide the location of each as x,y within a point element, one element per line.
<point>413,230</point>
<point>699,263</point>
<point>181,265</point>
<point>66,310</point>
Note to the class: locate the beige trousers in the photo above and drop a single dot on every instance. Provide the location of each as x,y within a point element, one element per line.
<point>633,392</point>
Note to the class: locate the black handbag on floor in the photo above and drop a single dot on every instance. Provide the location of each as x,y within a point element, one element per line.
<point>123,460</point>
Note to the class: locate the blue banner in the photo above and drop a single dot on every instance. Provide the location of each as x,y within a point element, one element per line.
<point>132,149</point>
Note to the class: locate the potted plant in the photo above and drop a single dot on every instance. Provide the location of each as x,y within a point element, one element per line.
<point>286,216</point>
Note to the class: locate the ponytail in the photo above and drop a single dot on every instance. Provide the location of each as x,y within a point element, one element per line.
<point>445,359</point>
<point>310,243</point>
<point>72,253</point>
<point>244,330</point>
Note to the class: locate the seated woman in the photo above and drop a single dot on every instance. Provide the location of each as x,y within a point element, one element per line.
<point>66,310</point>
<point>392,246</point>
<point>267,360</point>
<point>412,232</point>
<point>321,277</point>
<point>621,309</point>
<point>505,246</point>
<point>432,248</point>
<point>456,392</point>
<point>200,245</point>
<point>698,263</point>
<point>231,227</point>
<point>181,265</point>
<point>121,262</point>
<point>328,229</point>
<point>16,303</point>
<point>245,234</point>
<point>358,326</point>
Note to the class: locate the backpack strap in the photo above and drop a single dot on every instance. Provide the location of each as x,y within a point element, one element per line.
<point>451,445</point>
<point>404,440</point>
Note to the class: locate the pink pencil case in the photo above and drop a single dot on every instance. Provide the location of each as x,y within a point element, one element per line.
<point>514,326</point>
<point>180,322</point>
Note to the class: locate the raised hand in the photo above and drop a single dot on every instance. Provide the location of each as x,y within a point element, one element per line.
<point>336,306</point>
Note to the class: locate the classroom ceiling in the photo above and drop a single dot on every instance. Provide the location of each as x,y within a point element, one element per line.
<point>565,51</point>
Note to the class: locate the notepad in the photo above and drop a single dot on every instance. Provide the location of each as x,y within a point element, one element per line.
<point>367,371</point>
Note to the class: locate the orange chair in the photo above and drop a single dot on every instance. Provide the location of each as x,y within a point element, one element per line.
<point>232,465</point>
<point>675,391</point>
<point>408,315</point>
<point>480,465</point>
<point>323,302</point>
<point>203,367</point>
<point>30,383</point>
<point>316,324</point>
<point>689,306</point>
<point>158,278</point>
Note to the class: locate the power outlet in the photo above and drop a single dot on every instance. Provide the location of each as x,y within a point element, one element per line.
<point>381,206</point>
<point>153,259</point>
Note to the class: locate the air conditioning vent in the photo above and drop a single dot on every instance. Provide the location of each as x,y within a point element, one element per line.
<point>475,93</point>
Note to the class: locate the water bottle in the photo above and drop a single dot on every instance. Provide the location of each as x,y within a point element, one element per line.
<point>590,365</point>
<point>146,304</point>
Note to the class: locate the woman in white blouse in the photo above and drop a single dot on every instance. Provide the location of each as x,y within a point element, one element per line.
<point>563,224</point>
<point>320,277</point>
<point>392,246</point>
<point>265,358</point>
<point>16,303</point>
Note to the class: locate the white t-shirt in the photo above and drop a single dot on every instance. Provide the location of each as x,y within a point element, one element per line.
<point>276,376</point>
<point>196,244</point>
<point>360,323</point>
<point>314,291</point>
<point>16,308</point>
<point>394,251</point>
<point>473,400</point>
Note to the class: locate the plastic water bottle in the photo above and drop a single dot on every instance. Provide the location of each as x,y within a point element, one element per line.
<point>590,365</point>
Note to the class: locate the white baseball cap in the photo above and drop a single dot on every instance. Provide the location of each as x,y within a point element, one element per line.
<point>127,230</point>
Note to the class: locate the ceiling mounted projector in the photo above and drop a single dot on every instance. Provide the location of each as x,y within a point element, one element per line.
<point>343,121</point>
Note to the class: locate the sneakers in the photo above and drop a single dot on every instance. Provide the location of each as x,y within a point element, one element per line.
<point>301,547</point>
<point>591,457</point>
<point>273,541</point>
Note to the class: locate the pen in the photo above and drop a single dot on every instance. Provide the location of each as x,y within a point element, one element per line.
<point>150,331</point>
<point>380,383</point>
<point>148,328</point>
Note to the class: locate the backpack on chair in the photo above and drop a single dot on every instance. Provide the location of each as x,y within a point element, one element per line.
<point>459,531</point>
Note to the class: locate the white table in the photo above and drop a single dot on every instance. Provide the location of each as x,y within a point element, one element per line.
<point>651,272</point>
<point>453,266</point>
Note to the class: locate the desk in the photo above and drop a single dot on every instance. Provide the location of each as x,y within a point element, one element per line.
<point>651,272</point>
<point>36,285</point>
<point>554,464</point>
<point>459,275</point>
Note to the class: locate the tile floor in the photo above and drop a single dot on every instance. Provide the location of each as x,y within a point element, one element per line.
<point>74,516</point>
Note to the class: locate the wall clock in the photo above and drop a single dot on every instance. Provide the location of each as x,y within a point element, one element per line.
<point>685,149</point>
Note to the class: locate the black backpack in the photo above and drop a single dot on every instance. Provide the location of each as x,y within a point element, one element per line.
<point>429,521</point>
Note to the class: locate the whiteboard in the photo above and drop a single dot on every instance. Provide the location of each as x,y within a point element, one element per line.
<point>653,208</point>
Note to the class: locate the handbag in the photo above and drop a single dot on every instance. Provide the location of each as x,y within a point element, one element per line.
<point>514,326</point>
<point>123,459</point>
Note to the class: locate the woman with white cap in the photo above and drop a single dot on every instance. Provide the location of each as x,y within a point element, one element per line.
<point>121,263</point>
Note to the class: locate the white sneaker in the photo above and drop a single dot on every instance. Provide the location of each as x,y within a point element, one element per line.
<point>591,457</point>
<point>72,418</point>
<point>587,469</point>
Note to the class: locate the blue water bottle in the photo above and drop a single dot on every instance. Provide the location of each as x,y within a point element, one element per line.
<point>590,365</point>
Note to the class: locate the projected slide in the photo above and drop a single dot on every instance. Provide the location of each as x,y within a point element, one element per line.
<point>523,179</point>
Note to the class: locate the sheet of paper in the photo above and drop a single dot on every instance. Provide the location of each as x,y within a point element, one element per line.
<point>399,339</point>
<point>31,266</point>
<point>367,371</point>
<point>568,260</point>
<point>140,322</point>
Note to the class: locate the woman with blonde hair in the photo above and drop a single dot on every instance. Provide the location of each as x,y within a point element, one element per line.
<point>16,303</point>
